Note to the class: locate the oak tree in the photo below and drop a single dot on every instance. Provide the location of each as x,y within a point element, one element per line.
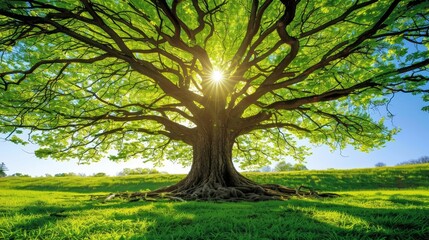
<point>206,83</point>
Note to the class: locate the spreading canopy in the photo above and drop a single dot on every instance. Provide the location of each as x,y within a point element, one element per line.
<point>128,78</point>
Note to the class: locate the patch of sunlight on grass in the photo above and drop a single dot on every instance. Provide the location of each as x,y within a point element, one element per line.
<point>341,220</point>
<point>389,199</point>
<point>104,228</point>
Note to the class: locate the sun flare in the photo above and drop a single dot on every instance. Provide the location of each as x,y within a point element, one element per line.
<point>217,76</point>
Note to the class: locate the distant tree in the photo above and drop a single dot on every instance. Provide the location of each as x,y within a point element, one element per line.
<point>70,174</point>
<point>266,169</point>
<point>206,83</point>
<point>421,160</point>
<point>100,174</point>
<point>48,175</point>
<point>380,164</point>
<point>20,175</point>
<point>124,172</point>
<point>283,166</point>
<point>299,167</point>
<point>137,171</point>
<point>424,159</point>
<point>3,170</point>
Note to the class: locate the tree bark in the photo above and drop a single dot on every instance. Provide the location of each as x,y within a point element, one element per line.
<point>212,175</point>
<point>212,159</point>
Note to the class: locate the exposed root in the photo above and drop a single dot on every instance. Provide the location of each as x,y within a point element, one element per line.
<point>217,193</point>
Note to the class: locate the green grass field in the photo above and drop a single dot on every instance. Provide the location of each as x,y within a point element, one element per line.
<point>379,203</point>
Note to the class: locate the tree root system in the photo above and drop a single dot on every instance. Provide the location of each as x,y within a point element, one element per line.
<point>217,193</point>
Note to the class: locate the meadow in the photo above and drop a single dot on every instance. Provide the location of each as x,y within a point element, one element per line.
<point>376,203</point>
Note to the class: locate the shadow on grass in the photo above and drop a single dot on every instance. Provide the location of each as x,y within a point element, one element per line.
<point>399,199</point>
<point>43,214</point>
<point>296,219</point>
<point>293,219</point>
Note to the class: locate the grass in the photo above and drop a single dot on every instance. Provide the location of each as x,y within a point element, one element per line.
<point>376,207</point>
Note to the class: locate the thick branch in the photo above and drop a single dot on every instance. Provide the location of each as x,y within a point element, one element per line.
<point>142,66</point>
<point>37,65</point>
<point>327,96</point>
<point>270,85</point>
<point>253,26</point>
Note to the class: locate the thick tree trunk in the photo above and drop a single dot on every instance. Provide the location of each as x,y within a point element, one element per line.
<point>213,175</point>
<point>212,160</point>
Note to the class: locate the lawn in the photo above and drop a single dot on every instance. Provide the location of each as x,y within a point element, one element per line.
<point>385,203</point>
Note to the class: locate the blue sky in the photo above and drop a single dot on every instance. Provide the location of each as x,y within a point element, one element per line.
<point>410,143</point>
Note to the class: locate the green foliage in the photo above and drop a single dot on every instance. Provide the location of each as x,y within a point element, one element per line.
<point>131,79</point>
<point>70,174</point>
<point>3,169</point>
<point>100,174</point>
<point>285,166</point>
<point>138,171</point>
<point>380,164</point>
<point>261,148</point>
<point>20,175</point>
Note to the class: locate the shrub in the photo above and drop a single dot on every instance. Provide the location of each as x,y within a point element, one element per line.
<point>20,175</point>
<point>285,166</point>
<point>380,164</point>
<point>65,174</point>
<point>100,174</point>
<point>137,171</point>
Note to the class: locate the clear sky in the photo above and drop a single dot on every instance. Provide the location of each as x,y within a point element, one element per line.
<point>411,143</point>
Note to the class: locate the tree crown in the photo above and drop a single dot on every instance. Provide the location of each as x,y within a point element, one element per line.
<point>92,78</point>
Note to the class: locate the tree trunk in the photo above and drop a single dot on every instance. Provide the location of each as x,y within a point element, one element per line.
<point>212,171</point>
<point>213,176</point>
<point>212,160</point>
